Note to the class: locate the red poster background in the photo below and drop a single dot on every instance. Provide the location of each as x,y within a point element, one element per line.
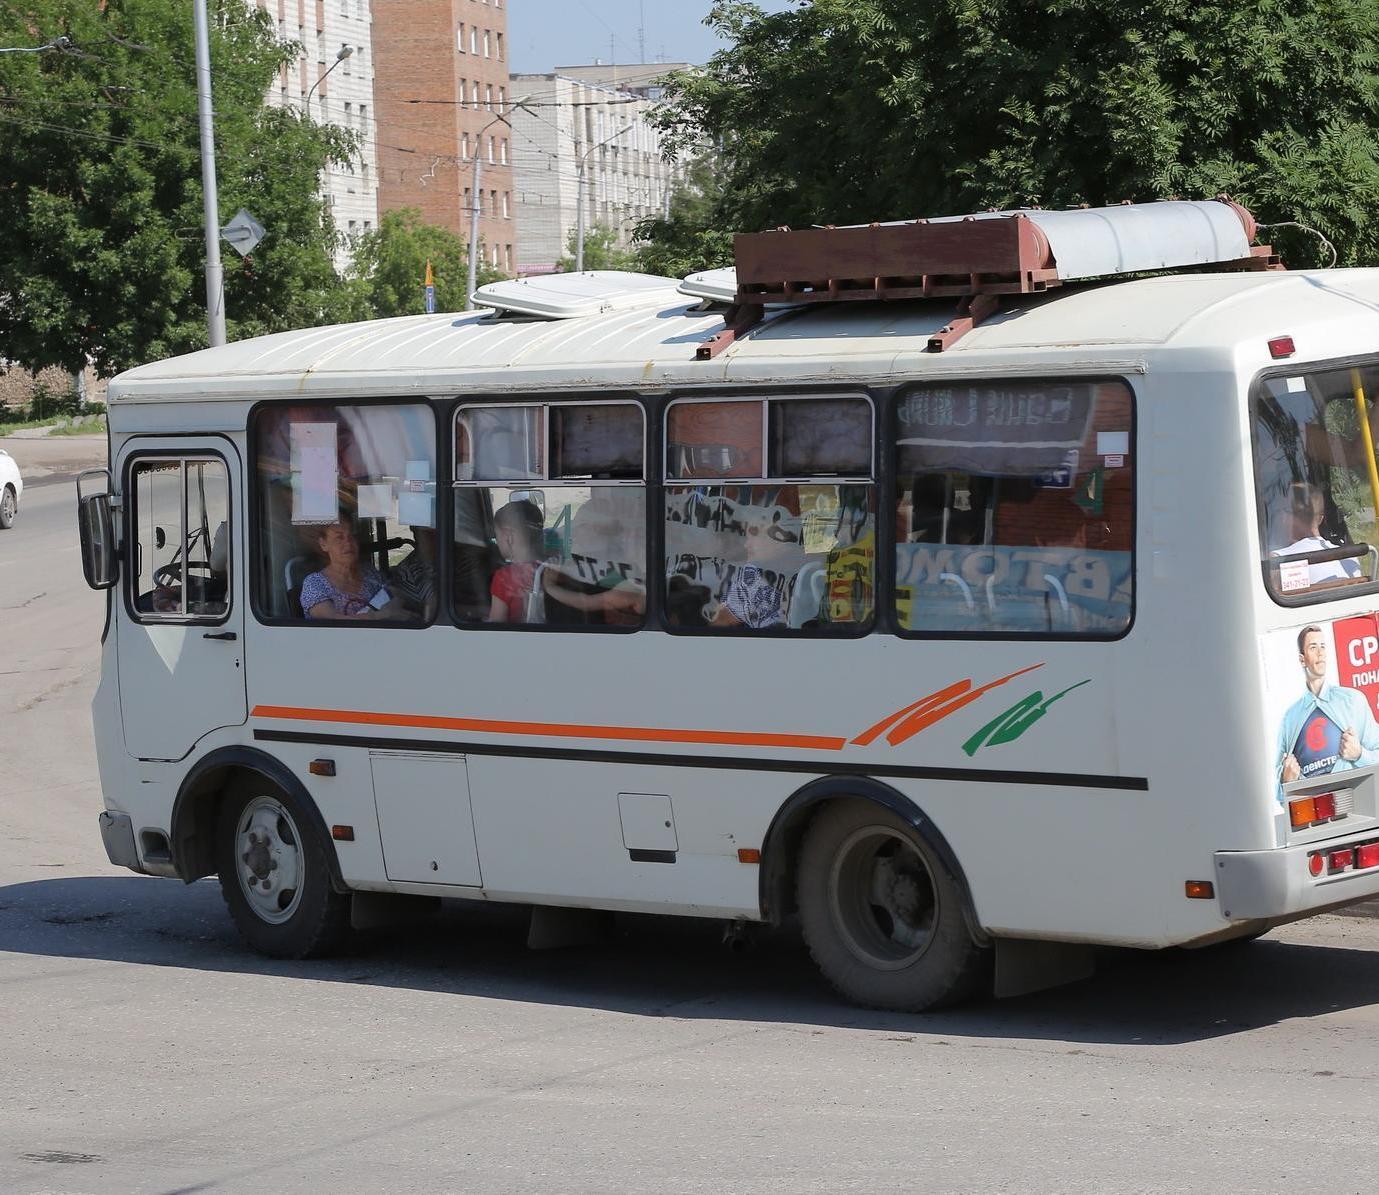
<point>1357,656</point>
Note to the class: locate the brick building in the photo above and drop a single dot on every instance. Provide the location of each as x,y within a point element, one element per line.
<point>440,85</point>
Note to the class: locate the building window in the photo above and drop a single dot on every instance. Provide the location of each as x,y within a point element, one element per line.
<point>503,151</point>
<point>459,38</point>
<point>365,172</point>
<point>464,144</point>
<point>490,149</point>
<point>506,212</point>
<point>468,203</point>
<point>502,99</point>
<point>499,38</point>
<point>487,45</point>
<point>474,94</point>
<point>488,97</point>
<point>507,258</point>
<point>473,40</point>
<point>364,118</point>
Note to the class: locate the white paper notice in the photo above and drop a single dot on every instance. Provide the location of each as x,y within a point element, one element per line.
<point>376,501</point>
<point>1295,575</point>
<point>416,504</point>
<point>315,477</point>
<point>1112,443</point>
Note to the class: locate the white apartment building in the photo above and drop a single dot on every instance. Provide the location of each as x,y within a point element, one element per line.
<point>589,120</point>
<point>337,87</point>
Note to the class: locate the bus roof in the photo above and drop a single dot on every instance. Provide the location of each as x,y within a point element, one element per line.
<point>1103,327</point>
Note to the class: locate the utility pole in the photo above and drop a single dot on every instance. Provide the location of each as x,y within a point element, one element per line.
<point>475,204</point>
<point>210,202</point>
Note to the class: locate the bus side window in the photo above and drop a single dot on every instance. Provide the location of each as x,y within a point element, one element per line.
<point>770,514</point>
<point>550,514</point>
<point>1015,509</point>
<point>368,467</point>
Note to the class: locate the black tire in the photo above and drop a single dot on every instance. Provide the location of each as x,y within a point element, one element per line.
<point>274,874</point>
<point>882,914</point>
<point>9,507</point>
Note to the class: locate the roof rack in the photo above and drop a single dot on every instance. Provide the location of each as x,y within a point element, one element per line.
<point>979,258</point>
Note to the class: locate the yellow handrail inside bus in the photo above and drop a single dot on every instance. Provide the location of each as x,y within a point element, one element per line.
<point>1362,410</point>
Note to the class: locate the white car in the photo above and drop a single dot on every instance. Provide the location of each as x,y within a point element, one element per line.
<point>11,489</point>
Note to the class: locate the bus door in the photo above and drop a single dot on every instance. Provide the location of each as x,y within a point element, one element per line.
<point>180,617</point>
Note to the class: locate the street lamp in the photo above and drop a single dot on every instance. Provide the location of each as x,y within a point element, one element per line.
<point>210,202</point>
<point>340,56</point>
<point>583,165</point>
<point>474,204</point>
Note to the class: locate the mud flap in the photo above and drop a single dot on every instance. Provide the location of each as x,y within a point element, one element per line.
<point>1025,965</point>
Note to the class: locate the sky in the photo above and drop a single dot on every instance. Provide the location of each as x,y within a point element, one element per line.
<point>544,34</point>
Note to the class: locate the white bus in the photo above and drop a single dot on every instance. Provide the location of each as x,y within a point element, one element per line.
<point>1066,635</point>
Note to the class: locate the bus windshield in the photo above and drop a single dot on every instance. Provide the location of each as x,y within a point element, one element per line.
<point>1314,434</point>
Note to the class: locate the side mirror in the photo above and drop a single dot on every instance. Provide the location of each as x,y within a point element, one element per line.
<point>96,530</point>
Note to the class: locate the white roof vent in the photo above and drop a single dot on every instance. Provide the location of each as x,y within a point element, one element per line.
<point>718,286</point>
<point>570,296</point>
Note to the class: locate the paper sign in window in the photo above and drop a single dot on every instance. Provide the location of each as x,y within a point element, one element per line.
<point>416,501</point>
<point>315,476</point>
<point>376,501</point>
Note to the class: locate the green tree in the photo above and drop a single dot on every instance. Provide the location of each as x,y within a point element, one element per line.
<point>389,267</point>
<point>601,251</point>
<point>852,110</point>
<point>688,238</point>
<point>101,245</point>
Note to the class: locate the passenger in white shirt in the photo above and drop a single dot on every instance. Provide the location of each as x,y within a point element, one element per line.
<point>1308,510</point>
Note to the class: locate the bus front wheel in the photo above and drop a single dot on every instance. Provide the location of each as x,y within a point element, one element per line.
<point>882,914</point>
<point>274,874</point>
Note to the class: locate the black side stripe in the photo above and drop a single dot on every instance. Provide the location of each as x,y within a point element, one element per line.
<point>818,767</point>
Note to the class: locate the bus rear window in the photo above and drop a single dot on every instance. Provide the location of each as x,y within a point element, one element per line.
<point>1314,435</point>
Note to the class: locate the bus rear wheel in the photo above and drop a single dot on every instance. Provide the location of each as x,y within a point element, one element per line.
<point>881,913</point>
<point>274,874</point>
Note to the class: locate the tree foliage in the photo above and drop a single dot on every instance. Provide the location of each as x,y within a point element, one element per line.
<point>101,244</point>
<point>601,251</point>
<point>855,110</point>
<point>687,239</point>
<point>389,267</point>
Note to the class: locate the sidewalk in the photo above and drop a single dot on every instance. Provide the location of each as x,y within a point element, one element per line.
<point>44,460</point>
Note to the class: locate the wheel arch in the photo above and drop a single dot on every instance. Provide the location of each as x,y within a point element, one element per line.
<point>197,806</point>
<point>781,847</point>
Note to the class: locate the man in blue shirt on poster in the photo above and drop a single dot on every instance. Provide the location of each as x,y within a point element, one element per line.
<point>1319,732</point>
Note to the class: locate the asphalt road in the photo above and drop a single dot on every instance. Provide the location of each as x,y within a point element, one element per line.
<point>142,1048</point>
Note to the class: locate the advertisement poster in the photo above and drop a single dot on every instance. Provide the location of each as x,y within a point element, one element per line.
<point>1322,696</point>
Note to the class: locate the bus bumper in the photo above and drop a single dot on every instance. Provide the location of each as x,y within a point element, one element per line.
<point>117,832</point>
<point>1277,884</point>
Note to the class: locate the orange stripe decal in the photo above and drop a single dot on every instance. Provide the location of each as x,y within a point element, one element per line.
<point>934,708</point>
<point>638,734</point>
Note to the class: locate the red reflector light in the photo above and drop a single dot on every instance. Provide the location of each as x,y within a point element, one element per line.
<point>1340,860</point>
<point>1325,804</point>
<point>1316,864</point>
<point>1367,855</point>
<point>748,854</point>
<point>342,833</point>
<point>1281,346</point>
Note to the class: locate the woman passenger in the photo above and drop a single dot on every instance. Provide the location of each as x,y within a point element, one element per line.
<point>345,588</point>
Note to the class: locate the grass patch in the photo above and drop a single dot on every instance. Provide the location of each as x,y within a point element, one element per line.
<point>89,425</point>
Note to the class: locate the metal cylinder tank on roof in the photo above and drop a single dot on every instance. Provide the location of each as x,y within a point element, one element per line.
<point>1133,237</point>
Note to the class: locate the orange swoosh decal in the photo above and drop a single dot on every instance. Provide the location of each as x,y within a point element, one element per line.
<point>934,708</point>
<point>639,734</point>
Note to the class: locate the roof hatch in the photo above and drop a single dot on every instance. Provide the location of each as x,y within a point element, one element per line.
<point>570,296</point>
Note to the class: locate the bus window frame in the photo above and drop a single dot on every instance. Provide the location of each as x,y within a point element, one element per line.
<point>898,393</point>
<point>646,482</point>
<point>875,399</point>
<point>253,569</point>
<point>1256,390</point>
<point>131,522</point>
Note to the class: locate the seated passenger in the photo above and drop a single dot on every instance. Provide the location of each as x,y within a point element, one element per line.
<point>753,600</point>
<point>1307,513</point>
<point>412,581</point>
<point>519,588</point>
<point>345,588</point>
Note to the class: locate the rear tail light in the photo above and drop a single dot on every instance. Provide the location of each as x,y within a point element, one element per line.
<point>1315,809</point>
<point>1367,855</point>
<point>1330,862</point>
<point>1316,864</point>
